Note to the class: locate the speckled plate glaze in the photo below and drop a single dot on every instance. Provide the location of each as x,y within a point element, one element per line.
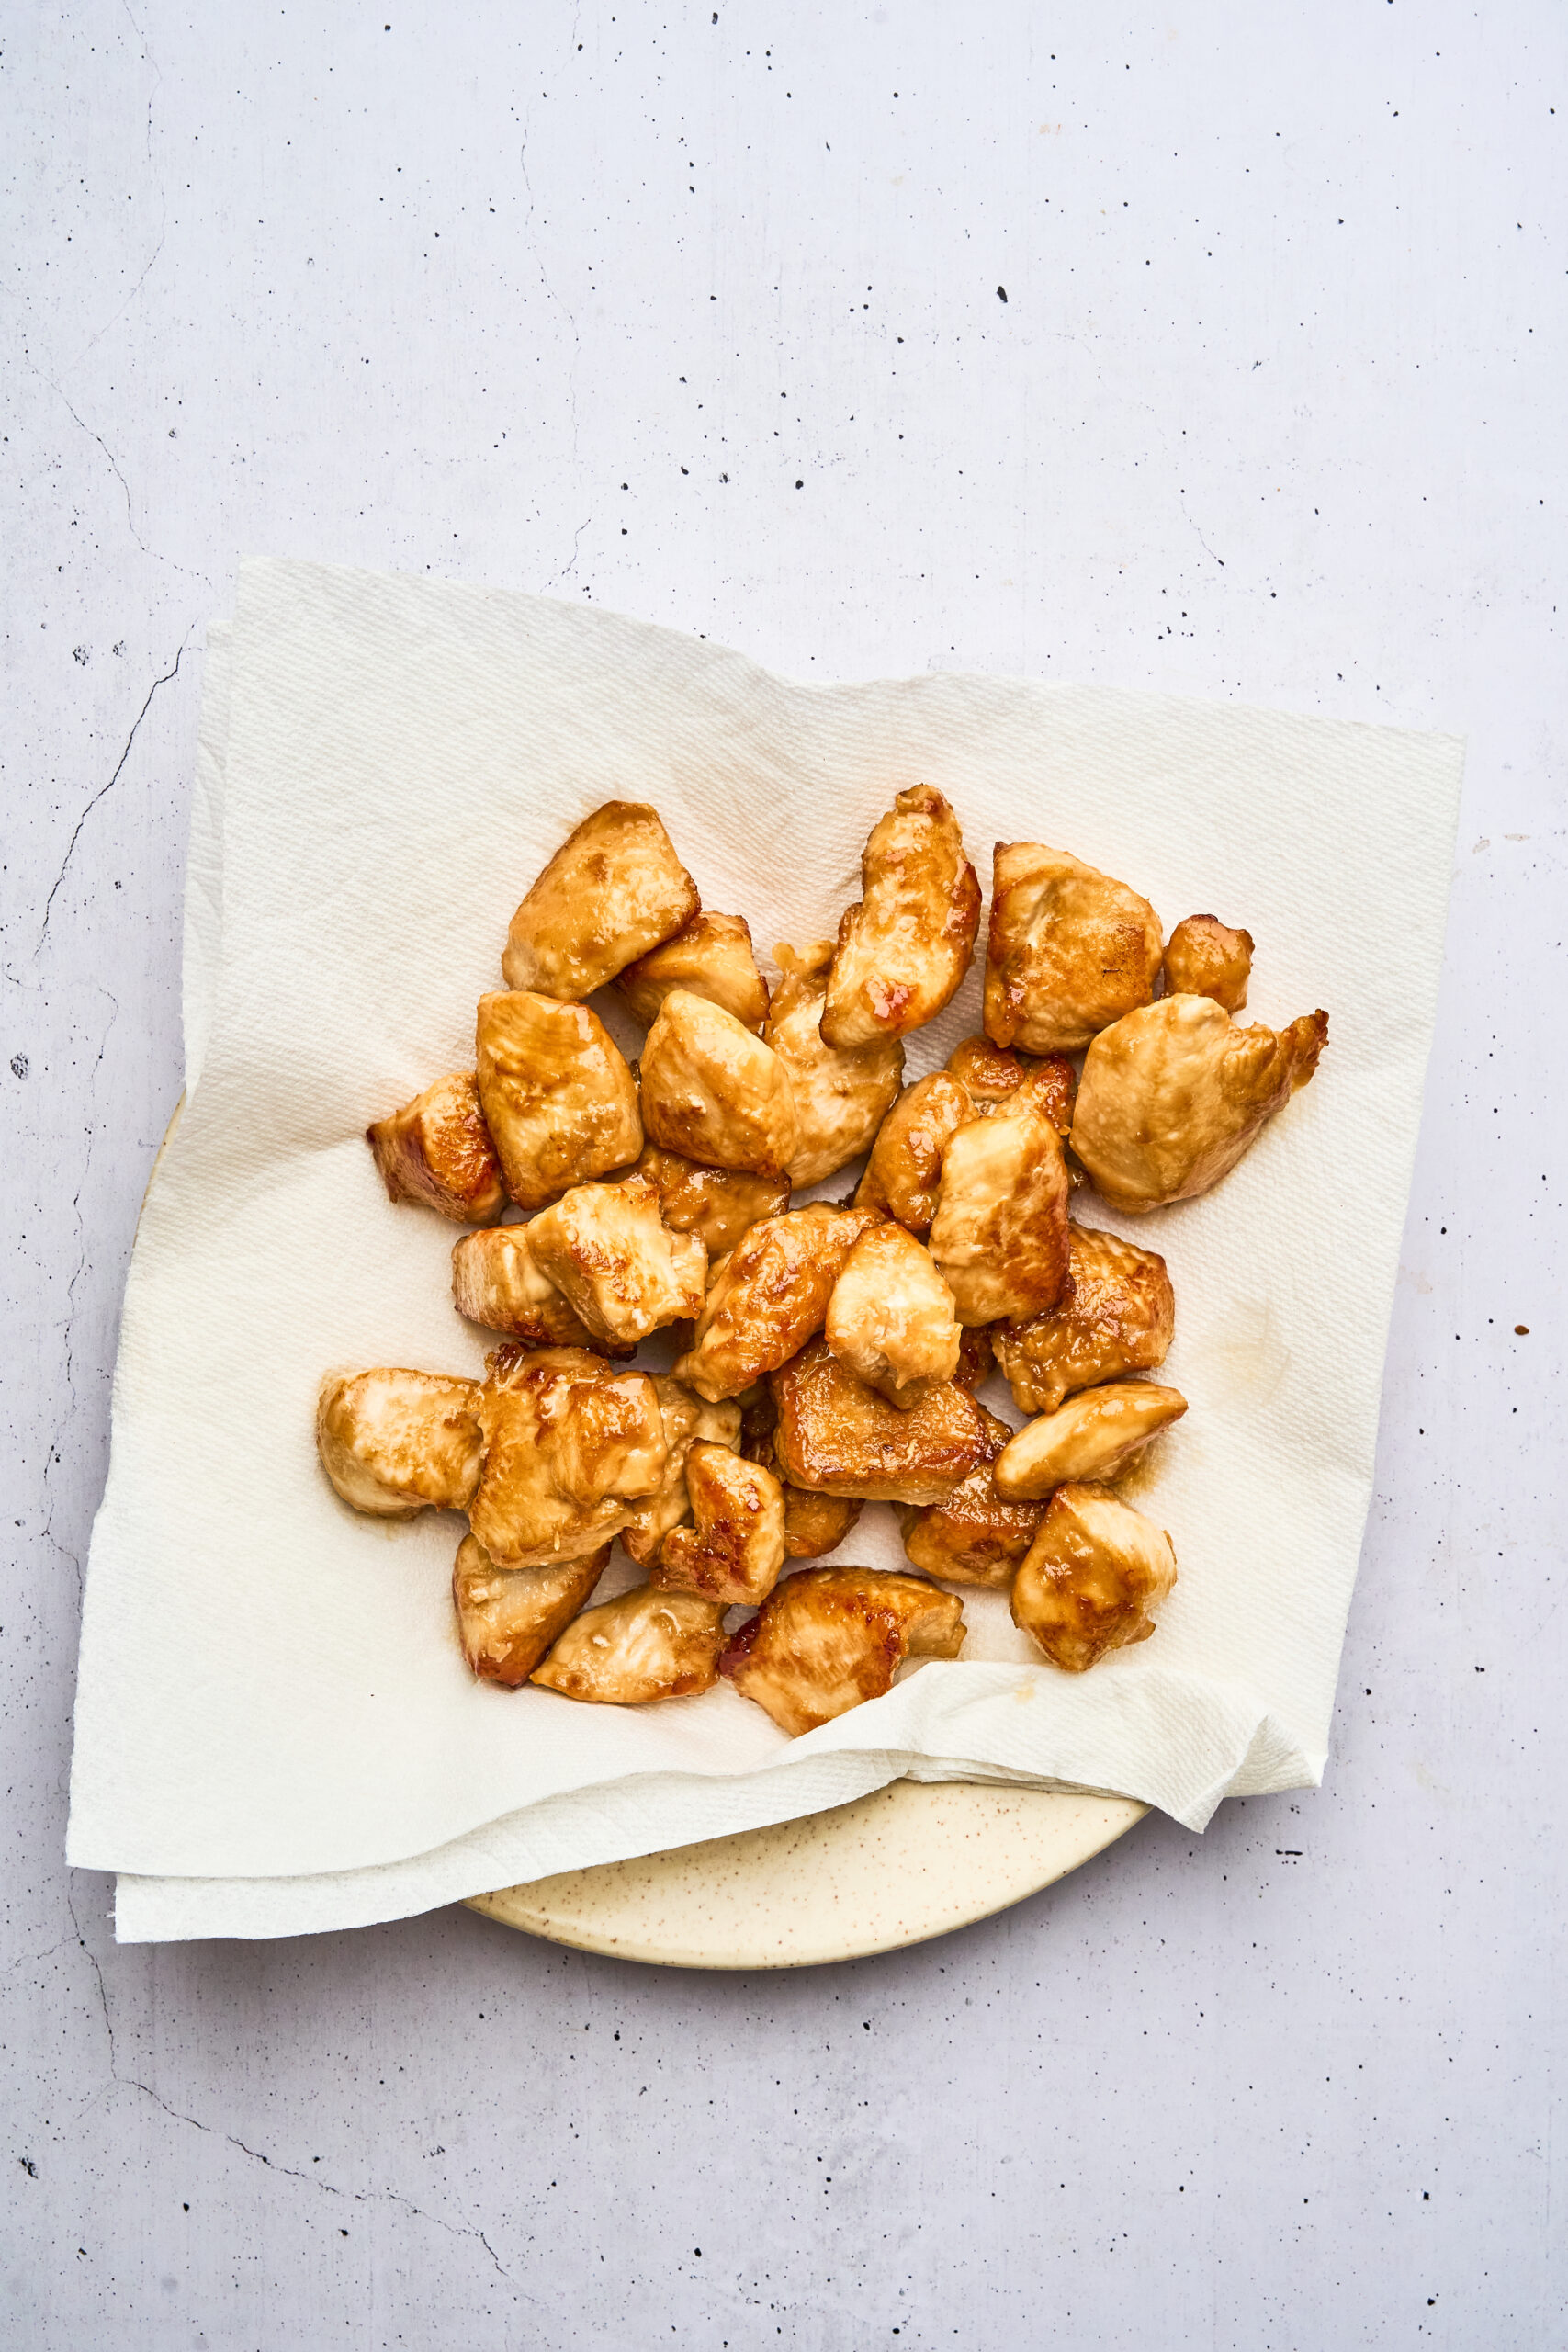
<point>912,1861</point>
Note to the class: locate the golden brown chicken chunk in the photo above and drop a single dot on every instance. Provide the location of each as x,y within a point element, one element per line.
<point>611,1255</point>
<point>906,945</point>
<point>437,1150</point>
<point>769,1297</point>
<point>842,1094</point>
<point>1116,1312</point>
<point>394,1442</point>
<point>1070,951</point>
<point>718,1204</point>
<point>827,1638</point>
<point>687,1420</point>
<point>570,1449</point>
<point>713,1092</point>
<point>644,1645</point>
<point>999,1236</point>
<point>836,1436</point>
<point>992,1074</point>
<point>507,1618</point>
<point>1094,1574</point>
<point>556,1096</point>
<point>1093,1436</point>
<point>736,1549</point>
<point>1171,1097</point>
<point>814,1524</point>
<point>891,1318</point>
<point>495,1282</point>
<point>974,1537</point>
<point>1205,958</point>
<point>712,957</point>
<point>904,1173</point>
<point>614,890</point>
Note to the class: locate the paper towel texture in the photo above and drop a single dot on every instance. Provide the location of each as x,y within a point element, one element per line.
<point>275,1729</point>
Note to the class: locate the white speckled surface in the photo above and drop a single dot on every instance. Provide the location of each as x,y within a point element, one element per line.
<point>1273,408</point>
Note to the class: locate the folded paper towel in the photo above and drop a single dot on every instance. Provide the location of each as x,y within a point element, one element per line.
<point>276,1730</point>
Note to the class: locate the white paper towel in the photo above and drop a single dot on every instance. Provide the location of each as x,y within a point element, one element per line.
<point>274,1729</point>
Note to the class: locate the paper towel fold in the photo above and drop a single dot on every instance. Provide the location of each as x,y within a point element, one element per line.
<point>276,1730</point>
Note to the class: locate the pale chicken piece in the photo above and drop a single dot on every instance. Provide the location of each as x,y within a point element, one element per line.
<point>1093,1436</point>
<point>437,1150</point>
<point>1000,1235</point>
<point>1094,1574</point>
<point>974,1537</point>
<point>644,1645</point>
<point>891,1318</point>
<point>611,1255</point>
<point>394,1442</point>
<point>570,1449</point>
<point>736,1549</point>
<point>1116,1312</point>
<point>1070,951</point>
<point>836,1436</point>
<point>496,1282</point>
<point>688,1421</point>
<point>770,1296</point>
<point>718,1204</point>
<point>556,1096</point>
<point>827,1639</point>
<point>1171,1097</point>
<point>712,957</point>
<point>507,1618</point>
<point>905,946</point>
<point>713,1091</point>
<point>992,1074</point>
<point>612,890</point>
<point>904,1173</point>
<point>814,1524</point>
<point>1205,958</point>
<point>841,1095</point>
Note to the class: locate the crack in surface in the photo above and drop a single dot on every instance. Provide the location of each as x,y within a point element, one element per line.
<point>106,788</point>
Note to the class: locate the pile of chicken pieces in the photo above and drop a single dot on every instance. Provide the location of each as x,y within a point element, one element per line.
<point>829,1353</point>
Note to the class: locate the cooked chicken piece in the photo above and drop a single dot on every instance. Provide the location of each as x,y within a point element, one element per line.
<point>507,1618</point>
<point>713,1092</point>
<point>718,1204</point>
<point>891,1318</point>
<point>570,1450</point>
<point>393,1441</point>
<point>736,1548</point>
<point>974,1537</point>
<point>712,957</point>
<point>906,945</point>
<point>437,1150</point>
<point>976,1357</point>
<point>1094,1435</point>
<point>495,1282</point>
<point>1116,1314</point>
<point>558,1098</point>
<point>769,1297</point>
<point>611,1255</point>
<point>836,1436</point>
<point>999,1236</point>
<point>1205,958</point>
<point>814,1524</point>
<point>827,1638</point>
<point>644,1645</point>
<point>614,890</point>
<point>1094,1573</point>
<point>687,1420</point>
<point>904,1171</point>
<point>1070,951</point>
<point>842,1094</point>
<point>991,1074</point>
<point>1171,1097</point>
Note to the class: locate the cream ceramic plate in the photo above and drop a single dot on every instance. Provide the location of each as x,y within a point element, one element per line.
<point>911,1860</point>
